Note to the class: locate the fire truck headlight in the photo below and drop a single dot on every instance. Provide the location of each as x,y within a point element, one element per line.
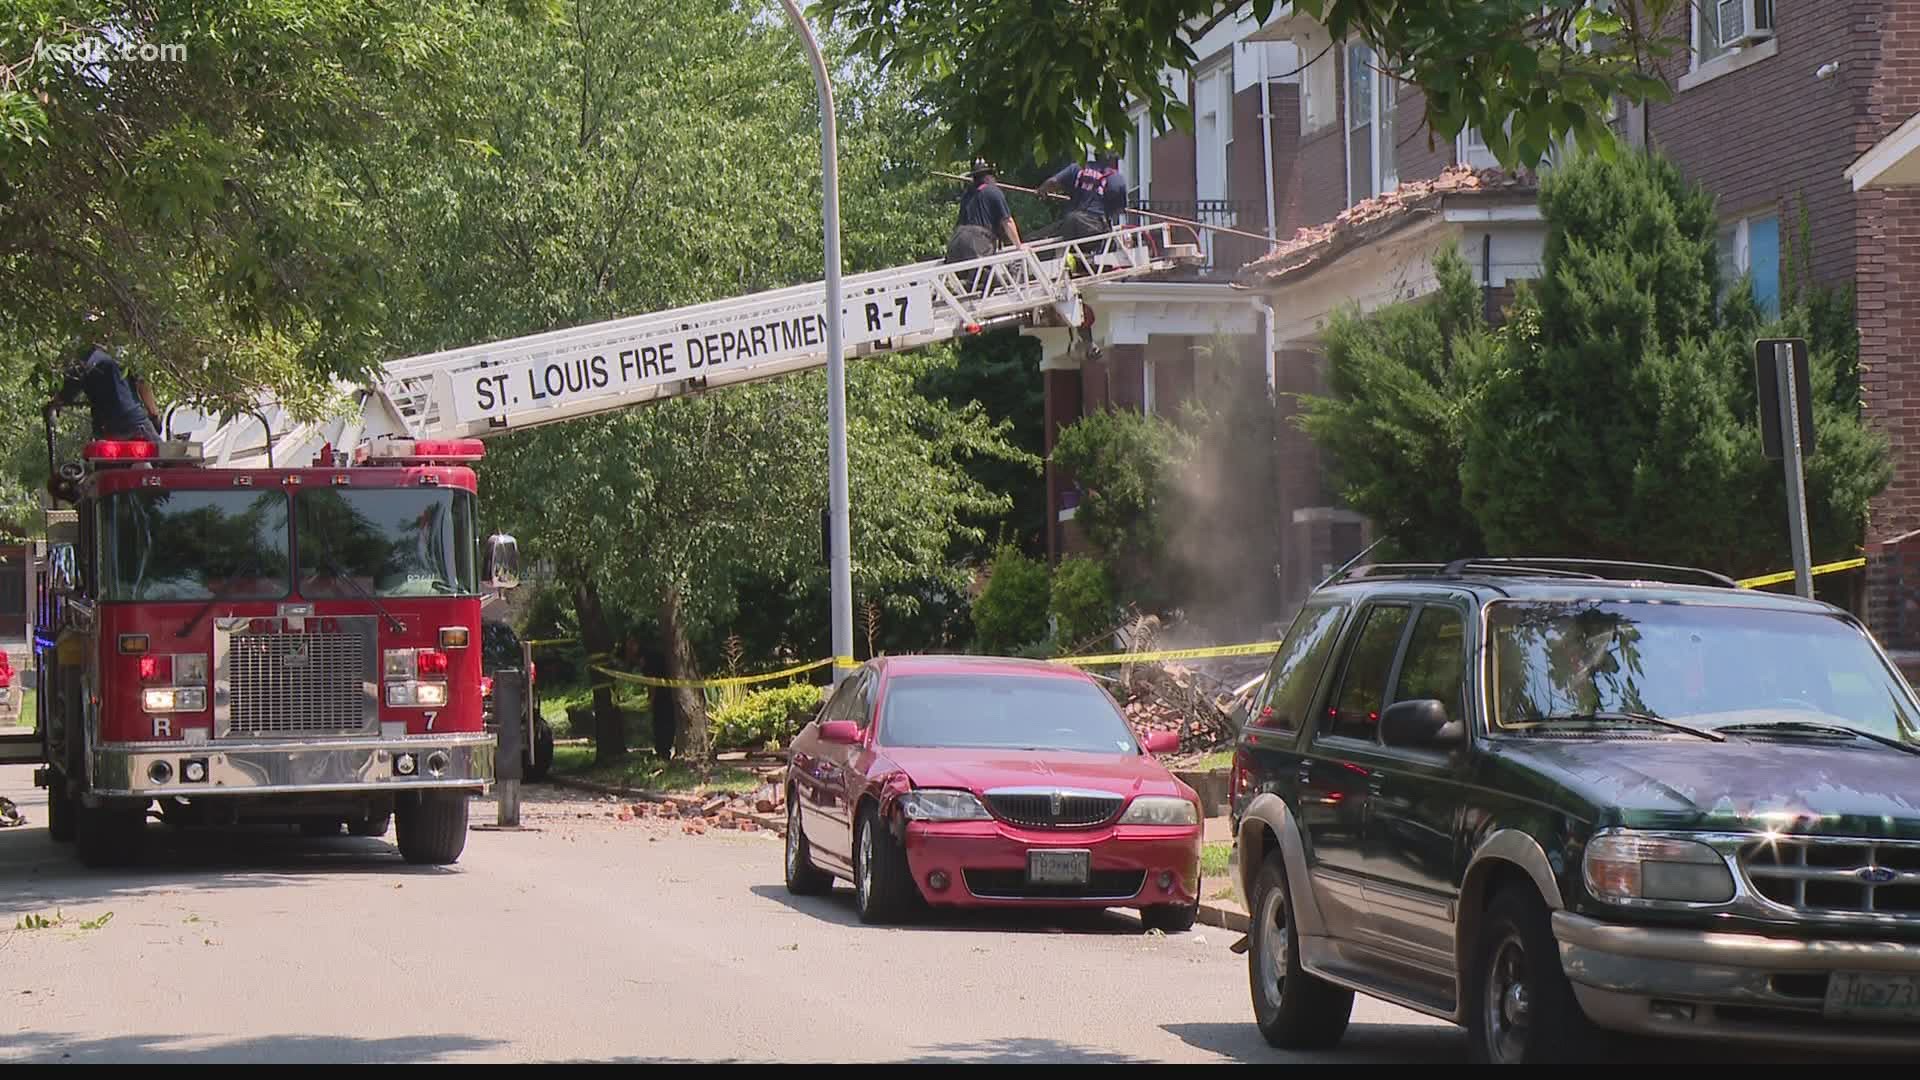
<point>190,669</point>
<point>430,693</point>
<point>189,699</point>
<point>399,693</point>
<point>399,663</point>
<point>158,698</point>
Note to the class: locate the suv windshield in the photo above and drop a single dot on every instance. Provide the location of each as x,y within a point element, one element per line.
<point>388,541</point>
<point>158,544</point>
<point>1705,666</point>
<point>1003,712</point>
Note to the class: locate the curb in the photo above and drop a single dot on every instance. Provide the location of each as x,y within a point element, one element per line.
<point>1227,918</point>
<point>775,825</point>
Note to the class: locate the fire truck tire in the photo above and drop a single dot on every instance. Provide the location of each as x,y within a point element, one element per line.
<point>59,811</point>
<point>375,826</point>
<point>433,830</point>
<point>108,836</point>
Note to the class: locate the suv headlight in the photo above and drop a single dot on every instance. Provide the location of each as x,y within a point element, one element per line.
<point>935,804</point>
<point>1160,810</point>
<point>1623,865</point>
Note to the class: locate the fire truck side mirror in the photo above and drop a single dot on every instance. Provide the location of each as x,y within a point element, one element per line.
<point>61,571</point>
<point>503,561</point>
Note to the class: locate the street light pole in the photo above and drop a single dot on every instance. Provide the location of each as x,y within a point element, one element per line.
<point>841,551</point>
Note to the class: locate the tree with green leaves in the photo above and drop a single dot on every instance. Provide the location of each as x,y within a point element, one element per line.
<point>1126,465</point>
<point>1051,79</point>
<point>1393,422</point>
<point>177,204</point>
<point>1614,414</point>
<point>612,181</point>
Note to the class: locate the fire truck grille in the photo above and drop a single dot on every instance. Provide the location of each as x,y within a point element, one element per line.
<point>299,684</point>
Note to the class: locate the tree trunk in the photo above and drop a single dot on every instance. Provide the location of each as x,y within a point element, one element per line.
<point>690,705</point>
<point>609,723</point>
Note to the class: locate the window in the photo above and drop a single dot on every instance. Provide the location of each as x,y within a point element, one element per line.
<point>1283,700</point>
<point>1213,130</point>
<point>388,542</point>
<point>1372,165</point>
<point>157,544</point>
<point>849,702</point>
<point>1436,663</point>
<point>1319,86</point>
<point>1721,27</point>
<point>1750,246</point>
<point>1473,151</point>
<point>1355,712</point>
<point>999,712</point>
<point>1137,167</point>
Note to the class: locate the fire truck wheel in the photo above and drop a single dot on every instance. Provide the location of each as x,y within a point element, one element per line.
<point>108,836</point>
<point>433,830</point>
<point>59,811</point>
<point>371,826</point>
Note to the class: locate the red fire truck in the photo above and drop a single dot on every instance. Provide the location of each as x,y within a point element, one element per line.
<point>294,645</point>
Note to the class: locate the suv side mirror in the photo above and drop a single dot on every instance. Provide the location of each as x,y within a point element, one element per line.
<point>503,561</point>
<point>1420,723</point>
<point>62,575</point>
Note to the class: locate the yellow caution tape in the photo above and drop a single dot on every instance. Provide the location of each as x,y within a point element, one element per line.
<point>1787,575</point>
<point>844,662</point>
<point>537,642</point>
<point>1257,648</point>
<point>695,684</point>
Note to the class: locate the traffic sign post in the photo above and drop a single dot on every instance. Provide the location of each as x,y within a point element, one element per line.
<point>1786,434</point>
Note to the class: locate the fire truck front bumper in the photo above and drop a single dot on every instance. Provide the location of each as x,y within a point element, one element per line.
<point>463,761</point>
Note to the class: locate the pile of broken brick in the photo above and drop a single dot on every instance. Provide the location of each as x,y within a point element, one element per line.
<point>764,809</point>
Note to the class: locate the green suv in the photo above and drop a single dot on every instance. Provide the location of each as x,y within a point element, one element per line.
<point>1540,798</point>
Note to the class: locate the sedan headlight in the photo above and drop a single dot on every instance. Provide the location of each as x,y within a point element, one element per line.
<point>1631,866</point>
<point>1160,810</point>
<point>934,804</point>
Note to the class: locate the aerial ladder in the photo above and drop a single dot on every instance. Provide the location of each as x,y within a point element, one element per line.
<point>483,390</point>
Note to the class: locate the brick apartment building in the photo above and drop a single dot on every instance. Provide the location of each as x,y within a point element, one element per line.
<point>1296,136</point>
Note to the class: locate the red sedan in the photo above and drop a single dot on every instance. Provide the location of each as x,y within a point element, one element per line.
<point>982,782</point>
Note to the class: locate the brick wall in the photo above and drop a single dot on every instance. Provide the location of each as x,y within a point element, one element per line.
<point>1888,237</point>
<point>1771,135</point>
<point>1316,174</point>
<point>1246,174</point>
<point>1418,161</point>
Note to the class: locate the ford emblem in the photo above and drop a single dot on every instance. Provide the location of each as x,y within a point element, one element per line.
<point>1877,875</point>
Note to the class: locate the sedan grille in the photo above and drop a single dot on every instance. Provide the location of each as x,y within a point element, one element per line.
<point>1013,885</point>
<point>1053,809</point>
<point>1817,876</point>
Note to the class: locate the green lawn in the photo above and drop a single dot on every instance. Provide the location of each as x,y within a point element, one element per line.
<point>1213,860</point>
<point>1219,759</point>
<point>643,770</point>
<point>27,713</point>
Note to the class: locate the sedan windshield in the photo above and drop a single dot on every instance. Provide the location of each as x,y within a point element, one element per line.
<point>1557,665</point>
<point>1003,712</point>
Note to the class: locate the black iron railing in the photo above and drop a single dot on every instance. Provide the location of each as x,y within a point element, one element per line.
<point>1225,252</point>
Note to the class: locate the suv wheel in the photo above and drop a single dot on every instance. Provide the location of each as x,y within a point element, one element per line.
<point>1295,1010</point>
<point>1520,1006</point>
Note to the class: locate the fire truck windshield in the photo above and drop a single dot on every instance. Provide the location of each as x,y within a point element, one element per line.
<point>158,544</point>
<point>386,542</point>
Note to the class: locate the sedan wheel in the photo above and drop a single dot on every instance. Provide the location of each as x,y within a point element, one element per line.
<point>882,882</point>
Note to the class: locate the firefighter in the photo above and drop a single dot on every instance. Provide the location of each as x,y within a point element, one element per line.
<point>985,222</point>
<point>1096,197</point>
<point>118,410</point>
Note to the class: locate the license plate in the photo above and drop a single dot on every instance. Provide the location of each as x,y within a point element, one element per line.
<point>1058,867</point>
<point>1873,996</point>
